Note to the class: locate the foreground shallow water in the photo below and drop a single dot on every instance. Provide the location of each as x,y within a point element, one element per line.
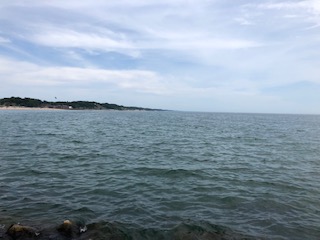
<point>155,175</point>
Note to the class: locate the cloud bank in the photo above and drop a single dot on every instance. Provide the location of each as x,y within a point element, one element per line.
<point>205,55</point>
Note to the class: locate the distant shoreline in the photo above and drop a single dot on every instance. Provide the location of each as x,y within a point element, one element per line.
<point>13,108</point>
<point>29,108</point>
<point>17,103</point>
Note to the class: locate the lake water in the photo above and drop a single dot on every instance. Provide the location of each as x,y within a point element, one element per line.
<point>161,175</point>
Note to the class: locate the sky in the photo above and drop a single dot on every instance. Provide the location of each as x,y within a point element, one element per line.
<point>189,55</point>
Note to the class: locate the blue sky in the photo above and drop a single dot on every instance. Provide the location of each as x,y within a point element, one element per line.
<point>193,55</point>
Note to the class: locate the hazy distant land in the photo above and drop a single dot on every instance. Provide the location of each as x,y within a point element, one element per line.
<point>31,103</point>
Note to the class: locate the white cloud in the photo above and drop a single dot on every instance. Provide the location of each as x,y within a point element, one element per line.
<point>243,21</point>
<point>101,40</point>
<point>88,4</point>
<point>4,40</point>
<point>27,74</point>
<point>75,39</point>
<point>124,26</point>
<point>107,41</point>
<point>192,41</point>
<point>283,5</point>
<point>306,10</point>
<point>310,5</point>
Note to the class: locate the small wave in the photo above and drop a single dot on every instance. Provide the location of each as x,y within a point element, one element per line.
<point>115,230</point>
<point>170,173</point>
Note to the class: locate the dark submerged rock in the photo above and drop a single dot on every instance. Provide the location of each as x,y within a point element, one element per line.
<point>17,231</point>
<point>68,229</point>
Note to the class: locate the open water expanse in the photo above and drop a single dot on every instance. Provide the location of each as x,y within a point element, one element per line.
<point>161,175</point>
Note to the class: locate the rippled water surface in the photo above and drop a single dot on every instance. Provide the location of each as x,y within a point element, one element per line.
<point>148,173</point>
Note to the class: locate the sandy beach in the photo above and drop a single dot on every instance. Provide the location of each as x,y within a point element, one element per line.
<point>30,108</point>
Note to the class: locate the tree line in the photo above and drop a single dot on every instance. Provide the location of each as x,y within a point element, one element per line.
<point>36,103</point>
